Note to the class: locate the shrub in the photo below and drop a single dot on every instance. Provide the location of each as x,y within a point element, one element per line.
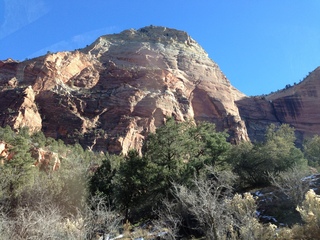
<point>218,214</point>
<point>311,149</point>
<point>255,162</point>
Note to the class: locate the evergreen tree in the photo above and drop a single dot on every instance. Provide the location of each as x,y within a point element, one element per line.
<point>17,171</point>
<point>207,147</point>
<point>7,134</point>
<point>311,149</point>
<point>255,162</point>
<point>131,182</point>
<point>101,183</point>
<point>167,154</point>
<point>178,151</point>
<point>174,153</point>
<point>38,139</point>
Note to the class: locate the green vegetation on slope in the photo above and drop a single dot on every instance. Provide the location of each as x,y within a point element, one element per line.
<point>185,182</point>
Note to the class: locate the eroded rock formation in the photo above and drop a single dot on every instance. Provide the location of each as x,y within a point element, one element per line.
<point>45,160</point>
<point>112,93</point>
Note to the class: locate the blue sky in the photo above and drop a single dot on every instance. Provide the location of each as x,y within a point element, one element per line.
<point>260,45</point>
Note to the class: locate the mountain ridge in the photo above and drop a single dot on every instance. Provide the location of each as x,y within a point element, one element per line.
<point>112,93</point>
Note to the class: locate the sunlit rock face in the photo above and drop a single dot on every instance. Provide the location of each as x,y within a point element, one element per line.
<point>111,94</point>
<point>18,109</point>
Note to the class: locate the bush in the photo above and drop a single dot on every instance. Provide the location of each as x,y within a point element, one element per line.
<point>311,149</point>
<point>255,162</point>
<point>215,212</point>
<point>310,213</point>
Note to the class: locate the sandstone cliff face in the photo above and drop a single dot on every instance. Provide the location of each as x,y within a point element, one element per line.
<point>18,109</point>
<point>296,105</point>
<point>112,93</point>
<point>299,105</point>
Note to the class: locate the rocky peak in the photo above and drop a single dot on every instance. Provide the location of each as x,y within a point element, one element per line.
<point>152,34</point>
<point>110,94</point>
<point>161,35</point>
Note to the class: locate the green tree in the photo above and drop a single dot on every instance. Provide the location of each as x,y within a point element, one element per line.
<point>38,139</point>
<point>17,172</point>
<point>174,153</point>
<point>167,154</point>
<point>7,134</point>
<point>207,147</point>
<point>216,212</point>
<point>101,182</point>
<point>311,149</point>
<point>131,183</point>
<point>255,162</point>
<point>168,147</point>
<point>177,151</point>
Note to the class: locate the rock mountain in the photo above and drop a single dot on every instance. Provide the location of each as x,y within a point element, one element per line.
<point>111,94</point>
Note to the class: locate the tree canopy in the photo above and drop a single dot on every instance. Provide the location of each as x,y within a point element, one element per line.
<point>254,162</point>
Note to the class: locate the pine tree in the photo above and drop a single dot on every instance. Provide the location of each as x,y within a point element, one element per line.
<point>131,182</point>
<point>17,172</point>
<point>255,162</point>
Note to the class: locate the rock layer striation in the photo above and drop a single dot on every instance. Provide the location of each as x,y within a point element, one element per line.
<point>111,94</point>
<point>296,105</point>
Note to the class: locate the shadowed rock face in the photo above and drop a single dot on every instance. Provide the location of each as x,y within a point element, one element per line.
<point>297,105</point>
<point>111,94</point>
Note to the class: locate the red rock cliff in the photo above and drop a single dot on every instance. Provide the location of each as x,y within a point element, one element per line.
<point>296,105</point>
<point>112,93</point>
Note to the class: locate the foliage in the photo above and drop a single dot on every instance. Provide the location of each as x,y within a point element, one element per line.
<point>166,150</point>
<point>174,153</point>
<point>178,151</point>
<point>218,214</point>
<point>207,147</point>
<point>99,217</point>
<point>255,162</point>
<point>244,223</point>
<point>205,202</point>
<point>182,174</point>
<point>131,182</point>
<point>310,213</point>
<point>293,184</point>
<point>7,134</point>
<point>16,173</point>
<point>38,139</point>
<point>40,205</point>
<point>101,182</point>
<point>168,220</point>
<point>310,208</point>
<point>312,151</point>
